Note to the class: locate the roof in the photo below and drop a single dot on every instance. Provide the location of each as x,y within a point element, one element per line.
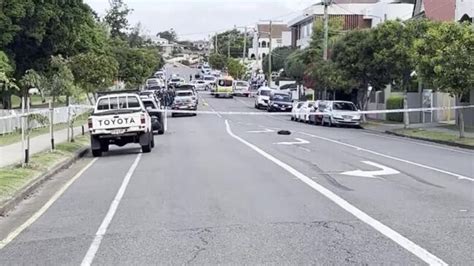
<point>277,30</point>
<point>435,9</point>
<point>334,9</point>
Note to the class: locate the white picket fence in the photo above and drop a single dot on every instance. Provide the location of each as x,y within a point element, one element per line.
<point>10,120</point>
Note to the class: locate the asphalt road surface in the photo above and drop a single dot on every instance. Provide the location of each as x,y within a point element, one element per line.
<point>227,189</point>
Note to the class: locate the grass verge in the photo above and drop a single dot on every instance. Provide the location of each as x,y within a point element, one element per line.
<point>16,136</point>
<point>434,135</point>
<point>14,178</point>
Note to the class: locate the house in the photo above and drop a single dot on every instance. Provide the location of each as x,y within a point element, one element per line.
<point>280,36</point>
<point>446,10</point>
<point>356,14</point>
<point>157,40</point>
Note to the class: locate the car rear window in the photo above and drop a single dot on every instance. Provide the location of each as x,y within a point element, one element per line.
<point>265,92</point>
<point>184,94</point>
<point>225,82</point>
<point>241,84</point>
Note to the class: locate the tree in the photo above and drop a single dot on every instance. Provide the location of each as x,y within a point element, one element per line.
<point>279,57</point>
<point>61,79</point>
<point>169,35</point>
<point>353,54</point>
<point>295,66</point>
<point>217,61</point>
<point>232,41</point>
<point>94,72</point>
<point>446,55</point>
<point>6,83</point>
<point>31,79</point>
<point>116,18</point>
<point>235,68</point>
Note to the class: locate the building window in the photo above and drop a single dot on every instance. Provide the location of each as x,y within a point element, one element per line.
<point>263,55</point>
<point>264,44</point>
<point>252,57</point>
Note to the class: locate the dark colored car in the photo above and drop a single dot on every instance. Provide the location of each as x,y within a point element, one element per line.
<point>279,102</point>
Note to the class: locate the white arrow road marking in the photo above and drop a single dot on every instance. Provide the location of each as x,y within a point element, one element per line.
<point>299,141</point>
<point>262,131</point>
<point>372,174</point>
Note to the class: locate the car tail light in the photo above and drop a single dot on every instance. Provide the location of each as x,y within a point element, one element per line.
<point>89,123</point>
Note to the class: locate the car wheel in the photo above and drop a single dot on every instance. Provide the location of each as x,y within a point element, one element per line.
<point>97,153</point>
<point>146,148</point>
<point>104,147</point>
<point>292,118</point>
<point>173,114</point>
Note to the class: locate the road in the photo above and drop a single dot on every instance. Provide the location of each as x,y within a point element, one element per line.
<point>227,189</point>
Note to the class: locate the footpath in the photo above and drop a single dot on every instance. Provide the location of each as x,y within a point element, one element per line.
<point>446,134</point>
<point>12,153</point>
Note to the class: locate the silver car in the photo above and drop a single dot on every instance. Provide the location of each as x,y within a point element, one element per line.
<point>340,113</point>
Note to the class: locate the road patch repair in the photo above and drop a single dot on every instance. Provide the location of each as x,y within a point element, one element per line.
<point>17,182</point>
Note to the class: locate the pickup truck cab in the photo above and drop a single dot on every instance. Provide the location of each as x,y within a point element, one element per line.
<point>120,119</point>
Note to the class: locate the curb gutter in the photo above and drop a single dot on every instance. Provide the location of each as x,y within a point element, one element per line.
<point>449,143</point>
<point>10,203</point>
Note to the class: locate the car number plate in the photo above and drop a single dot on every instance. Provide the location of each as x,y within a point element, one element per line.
<point>348,119</point>
<point>117,131</point>
<point>283,108</point>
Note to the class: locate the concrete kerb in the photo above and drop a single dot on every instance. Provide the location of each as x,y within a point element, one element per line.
<point>449,143</point>
<point>9,204</point>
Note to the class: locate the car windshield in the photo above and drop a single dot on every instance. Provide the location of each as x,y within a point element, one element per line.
<point>265,92</point>
<point>241,84</point>
<point>224,83</point>
<point>184,93</point>
<point>148,104</point>
<point>210,78</point>
<point>344,106</point>
<point>175,80</point>
<point>281,98</point>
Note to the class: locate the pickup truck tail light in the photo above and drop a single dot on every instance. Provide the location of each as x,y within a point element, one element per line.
<point>142,119</point>
<point>89,123</point>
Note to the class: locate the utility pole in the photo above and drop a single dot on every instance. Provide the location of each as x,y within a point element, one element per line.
<point>245,44</point>
<point>326,37</point>
<point>215,46</point>
<point>270,55</point>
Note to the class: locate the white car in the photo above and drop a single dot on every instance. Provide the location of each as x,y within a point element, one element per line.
<point>200,85</point>
<point>154,82</point>
<point>262,97</point>
<point>241,88</point>
<point>295,111</point>
<point>341,113</point>
<point>210,80</point>
<point>305,110</point>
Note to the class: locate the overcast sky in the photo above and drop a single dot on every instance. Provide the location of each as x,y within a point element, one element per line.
<point>196,19</point>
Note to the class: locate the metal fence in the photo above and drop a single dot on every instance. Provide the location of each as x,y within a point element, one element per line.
<point>10,120</point>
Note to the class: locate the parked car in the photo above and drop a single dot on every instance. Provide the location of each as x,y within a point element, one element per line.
<point>295,110</point>
<point>341,113</point>
<point>241,88</point>
<point>305,110</point>
<point>154,82</point>
<point>184,100</point>
<point>120,119</point>
<point>153,109</point>
<point>176,81</point>
<point>200,85</point>
<point>262,97</point>
<point>279,102</point>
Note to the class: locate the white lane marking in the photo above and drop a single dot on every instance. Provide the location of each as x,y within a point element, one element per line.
<point>266,130</point>
<point>297,142</point>
<point>372,174</point>
<point>404,242</point>
<point>99,235</point>
<point>460,177</point>
<point>45,207</point>
<point>417,142</point>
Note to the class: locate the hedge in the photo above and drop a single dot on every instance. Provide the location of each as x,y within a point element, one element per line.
<point>395,102</point>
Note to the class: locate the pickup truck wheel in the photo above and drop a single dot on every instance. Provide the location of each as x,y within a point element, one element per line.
<point>146,148</point>
<point>104,147</point>
<point>97,153</point>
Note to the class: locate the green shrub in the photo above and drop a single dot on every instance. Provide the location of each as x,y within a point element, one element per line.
<point>395,102</point>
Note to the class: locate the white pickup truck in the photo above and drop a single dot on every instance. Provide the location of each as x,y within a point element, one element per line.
<point>120,119</point>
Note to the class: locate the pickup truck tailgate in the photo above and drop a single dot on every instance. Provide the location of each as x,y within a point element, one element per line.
<point>115,121</point>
